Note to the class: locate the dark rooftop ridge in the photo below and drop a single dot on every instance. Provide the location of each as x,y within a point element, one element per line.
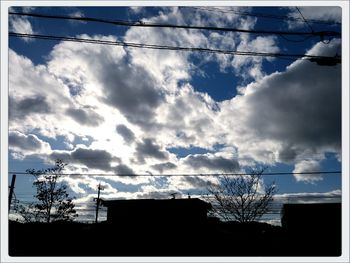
<point>184,201</point>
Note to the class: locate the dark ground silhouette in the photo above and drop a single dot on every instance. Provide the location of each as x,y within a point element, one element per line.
<point>211,238</point>
<point>180,227</point>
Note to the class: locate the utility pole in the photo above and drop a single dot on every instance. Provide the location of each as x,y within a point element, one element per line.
<point>11,189</point>
<point>98,200</point>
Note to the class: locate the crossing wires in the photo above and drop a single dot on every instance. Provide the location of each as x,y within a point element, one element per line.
<point>226,10</point>
<point>305,21</point>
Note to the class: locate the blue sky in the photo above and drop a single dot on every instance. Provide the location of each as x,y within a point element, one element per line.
<point>109,109</point>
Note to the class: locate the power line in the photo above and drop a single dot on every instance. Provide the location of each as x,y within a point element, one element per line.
<point>305,21</point>
<point>197,174</point>
<point>173,48</point>
<point>262,15</point>
<point>295,40</point>
<point>145,24</point>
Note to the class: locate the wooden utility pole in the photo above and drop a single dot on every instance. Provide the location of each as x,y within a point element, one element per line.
<point>98,201</point>
<point>11,189</point>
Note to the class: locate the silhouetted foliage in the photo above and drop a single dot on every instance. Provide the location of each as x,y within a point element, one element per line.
<point>54,203</point>
<point>241,197</point>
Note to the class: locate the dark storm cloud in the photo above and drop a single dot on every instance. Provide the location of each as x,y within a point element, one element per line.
<point>85,117</point>
<point>300,107</point>
<point>94,159</point>
<point>59,155</point>
<point>148,148</point>
<point>132,91</point>
<point>163,166</point>
<point>195,181</point>
<point>123,170</point>
<point>287,154</point>
<point>214,163</point>
<point>22,108</point>
<point>155,195</point>
<point>99,159</point>
<point>34,104</point>
<point>25,142</point>
<point>126,133</point>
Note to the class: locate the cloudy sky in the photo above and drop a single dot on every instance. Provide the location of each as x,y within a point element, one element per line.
<point>120,110</point>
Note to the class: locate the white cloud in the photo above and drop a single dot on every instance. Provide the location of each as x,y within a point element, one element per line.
<point>105,73</point>
<point>289,115</point>
<point>170,67</point>
<point>136,9</point>
<point>136,103</point>
<point>307,166</point>
<point>35,97</point>
<point>253,65</point>
<point>21,25</point>
<point>323,13</point>
<point>77,13</point>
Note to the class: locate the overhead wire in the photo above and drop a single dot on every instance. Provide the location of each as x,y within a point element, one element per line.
<point>275,17</point>
<point>312,30</point>
<point>158,25</point>
<point>173,48</point>
<point>295,40</point>
<point>305,21</point>
<point>138,45</point>
<point>299,40</point>
<point>262,15</point>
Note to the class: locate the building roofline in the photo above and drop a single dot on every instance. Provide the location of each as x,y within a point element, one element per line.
<point>111,202</point>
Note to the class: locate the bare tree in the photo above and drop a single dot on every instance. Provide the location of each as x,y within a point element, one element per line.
<point>53,202</point>
<point>241,197</point>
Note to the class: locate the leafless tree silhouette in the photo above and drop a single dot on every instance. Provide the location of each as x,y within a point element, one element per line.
<point>241,197</point>
<point>54,203</point>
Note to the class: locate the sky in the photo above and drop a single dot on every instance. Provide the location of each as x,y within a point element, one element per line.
<point>119,110</point>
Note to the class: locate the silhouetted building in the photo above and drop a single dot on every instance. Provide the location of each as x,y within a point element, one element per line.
<point>311,217</point>
<point>313,229</point>
<point>152,211</point>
